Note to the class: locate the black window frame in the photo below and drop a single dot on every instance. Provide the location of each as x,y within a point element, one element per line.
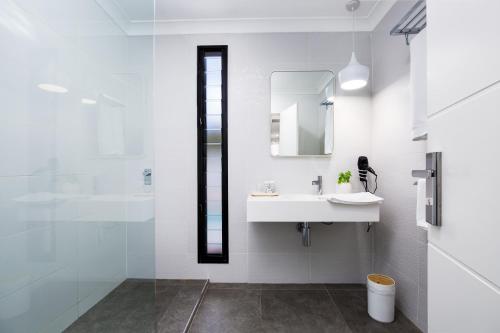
<point>203,256</point>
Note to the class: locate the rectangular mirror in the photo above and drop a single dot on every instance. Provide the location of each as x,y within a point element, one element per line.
<point>302,113</point>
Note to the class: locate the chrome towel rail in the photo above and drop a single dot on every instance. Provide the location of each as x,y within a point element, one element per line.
<point>412,23</point>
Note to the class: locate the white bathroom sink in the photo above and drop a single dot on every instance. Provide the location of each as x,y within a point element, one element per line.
<point>42,207</point>
<point>360,198</point>
<point>310,208</point>
<point>65,207</point>
<point>46,198</point>
<point>118,208</point>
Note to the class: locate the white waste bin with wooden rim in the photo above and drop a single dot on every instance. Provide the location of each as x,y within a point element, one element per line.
<point>381,297</point>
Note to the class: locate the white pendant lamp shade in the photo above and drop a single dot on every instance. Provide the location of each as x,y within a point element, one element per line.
<point>354,76</point>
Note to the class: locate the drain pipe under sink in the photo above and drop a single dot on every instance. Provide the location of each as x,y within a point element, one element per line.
<point>305,229</point>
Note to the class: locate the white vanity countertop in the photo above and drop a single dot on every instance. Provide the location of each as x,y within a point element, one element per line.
<point>353,207</point>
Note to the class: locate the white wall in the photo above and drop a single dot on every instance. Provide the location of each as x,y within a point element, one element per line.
<point>258,252</point>
<point>400,247</point>
<point>464,94</point>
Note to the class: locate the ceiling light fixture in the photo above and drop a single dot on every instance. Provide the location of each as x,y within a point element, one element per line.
<point>88,101</point>
<point>53,88</point>
<point>354,75</point>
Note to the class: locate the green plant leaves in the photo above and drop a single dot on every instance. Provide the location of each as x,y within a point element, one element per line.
<point>344,177</point>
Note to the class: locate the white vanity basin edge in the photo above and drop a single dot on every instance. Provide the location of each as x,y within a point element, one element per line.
<point>363,207</point>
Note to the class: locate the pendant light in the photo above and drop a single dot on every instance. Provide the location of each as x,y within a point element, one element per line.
<point>354,75</point>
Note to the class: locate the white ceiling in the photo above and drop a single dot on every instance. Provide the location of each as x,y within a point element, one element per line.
<point>231,9</point>
<point>215,16</point>
<point>138,10</point>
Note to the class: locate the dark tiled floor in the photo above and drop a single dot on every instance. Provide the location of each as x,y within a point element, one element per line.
<point>142,306</point>
<point>290,308</point>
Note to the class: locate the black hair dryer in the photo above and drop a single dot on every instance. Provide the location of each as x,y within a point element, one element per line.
<point>363,169</point>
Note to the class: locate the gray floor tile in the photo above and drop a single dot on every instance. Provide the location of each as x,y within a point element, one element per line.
<point>292,286</point>
<point>345,286</point>
<point>161,282</point>
<point>290,308</point>
<point>232,286</point>
<point>137,306</point>
<point>142,306</point>
<point>300,311</point>
<point>229,310</point>
<point>353,306</point>
<point>268,286</point>
<point>163,299</point>
<point>176,315</point>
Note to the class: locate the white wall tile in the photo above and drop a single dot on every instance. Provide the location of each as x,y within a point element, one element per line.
<point>141,250</point>
<point>234,272</point>
<point>422,317</point>
<point>180,266</point>
<point>252,59</point>
<point>398,250</point>
<point>32,307</point>
<point>339,268</point>
<point>406,290</point>
<point>10,221</point>
<point>274,238</point>
<point>341,238</point>
<point>278,268</point>
<point>238,243</point>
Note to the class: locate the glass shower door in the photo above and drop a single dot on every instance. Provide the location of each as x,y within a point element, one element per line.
<point>76,217</point>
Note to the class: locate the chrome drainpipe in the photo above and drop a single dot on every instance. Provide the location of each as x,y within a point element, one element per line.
<point>305,229</point>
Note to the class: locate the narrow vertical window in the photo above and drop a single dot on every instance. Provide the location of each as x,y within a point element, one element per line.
<point>212,155</point>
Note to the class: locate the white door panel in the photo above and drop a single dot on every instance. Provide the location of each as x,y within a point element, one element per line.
<point>465,304</point>
<point>464,49</point>
<point>463,59</point>
<point>469,138</point>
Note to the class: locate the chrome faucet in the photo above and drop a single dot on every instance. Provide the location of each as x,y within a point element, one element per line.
<point>319,182</point>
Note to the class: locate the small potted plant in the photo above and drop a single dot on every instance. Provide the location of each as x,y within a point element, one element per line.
<point>343,182</point>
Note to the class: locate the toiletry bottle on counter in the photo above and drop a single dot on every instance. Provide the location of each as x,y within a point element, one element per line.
<point>269,186</point>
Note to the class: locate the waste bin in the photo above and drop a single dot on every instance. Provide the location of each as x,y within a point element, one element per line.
<point>381,294</point>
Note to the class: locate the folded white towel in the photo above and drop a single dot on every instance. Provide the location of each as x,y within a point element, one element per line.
<point>418,84</point>
<point>421,198</point>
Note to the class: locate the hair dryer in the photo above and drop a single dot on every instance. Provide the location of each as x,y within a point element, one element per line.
<point>363,169</point>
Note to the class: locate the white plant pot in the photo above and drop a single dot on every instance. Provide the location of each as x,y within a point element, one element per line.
<point>344,188</point>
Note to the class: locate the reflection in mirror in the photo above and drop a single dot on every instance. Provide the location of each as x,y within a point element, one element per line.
<point>302,113</point>
<point>118,121</point>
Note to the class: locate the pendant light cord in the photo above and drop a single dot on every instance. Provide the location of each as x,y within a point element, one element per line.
<point>353,30</point>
